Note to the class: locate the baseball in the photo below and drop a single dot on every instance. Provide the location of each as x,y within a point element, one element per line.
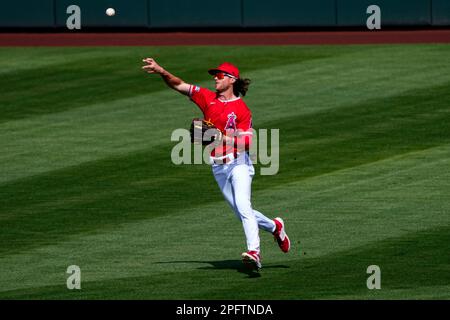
<point>110,12</point>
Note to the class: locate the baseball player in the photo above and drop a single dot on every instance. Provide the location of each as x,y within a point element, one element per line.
<point>231,165</point>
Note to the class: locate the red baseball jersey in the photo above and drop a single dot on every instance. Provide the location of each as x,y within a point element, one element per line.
<point>228,116</point>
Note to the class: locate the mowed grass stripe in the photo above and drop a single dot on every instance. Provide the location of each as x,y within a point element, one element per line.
<point>15,60</point>
<point>339,274</point>
<point>380,128</point>
<point>89,134</point>
<point>146,184</point>
<point>346,80</point>
<point>327,215</point>
<point>114,75</point>
<point>53,141</point>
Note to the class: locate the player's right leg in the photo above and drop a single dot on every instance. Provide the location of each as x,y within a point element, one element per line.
<point>241,187</point>
<point>251,258</point>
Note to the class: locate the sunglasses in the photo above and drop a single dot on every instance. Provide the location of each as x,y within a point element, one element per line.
<point>221,75</point>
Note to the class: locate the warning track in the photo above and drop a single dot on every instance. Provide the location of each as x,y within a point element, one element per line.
<point>222,38</point>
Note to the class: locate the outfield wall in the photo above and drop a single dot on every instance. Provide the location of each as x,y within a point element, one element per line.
<point>157,14</point>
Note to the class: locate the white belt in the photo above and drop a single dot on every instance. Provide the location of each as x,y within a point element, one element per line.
<point>222,160</point>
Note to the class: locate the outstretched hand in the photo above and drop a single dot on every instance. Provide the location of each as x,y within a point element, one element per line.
<point>172,81</point>
<point>151,66</point>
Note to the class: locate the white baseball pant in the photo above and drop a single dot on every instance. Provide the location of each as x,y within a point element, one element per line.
<point>234,180</point>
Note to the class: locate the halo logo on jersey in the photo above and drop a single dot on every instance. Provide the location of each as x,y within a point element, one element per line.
<point>231,122</point>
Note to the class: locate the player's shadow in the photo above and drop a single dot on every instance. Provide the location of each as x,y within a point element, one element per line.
<point>230,265</point>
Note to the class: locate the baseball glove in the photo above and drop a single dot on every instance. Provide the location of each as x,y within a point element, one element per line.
<point>204,132</point>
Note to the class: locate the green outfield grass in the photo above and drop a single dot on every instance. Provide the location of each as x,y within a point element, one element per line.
<point>86,177</point>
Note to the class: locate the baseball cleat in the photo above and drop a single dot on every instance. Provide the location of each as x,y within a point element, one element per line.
<point>280,235</point>
<point>252,260</point>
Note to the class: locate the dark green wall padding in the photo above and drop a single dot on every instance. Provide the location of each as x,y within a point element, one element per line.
<point>179,14</point>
